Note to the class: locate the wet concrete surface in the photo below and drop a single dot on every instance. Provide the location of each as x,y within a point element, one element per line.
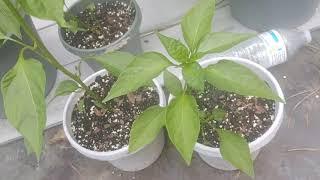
<point>294,154</point>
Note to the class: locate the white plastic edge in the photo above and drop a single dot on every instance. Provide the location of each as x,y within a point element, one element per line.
<point>308,36</point>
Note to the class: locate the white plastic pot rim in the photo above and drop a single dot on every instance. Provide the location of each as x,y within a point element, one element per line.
<point>116,45</point>
<point>120,153</point>
<point>267,136</point>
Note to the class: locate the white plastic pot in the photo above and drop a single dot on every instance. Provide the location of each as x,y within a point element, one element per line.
<point>212,156</point>
<point>121,158</point>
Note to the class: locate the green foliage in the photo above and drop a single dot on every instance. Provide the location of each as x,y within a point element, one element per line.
<point>91,6</point>
<point>220,41</point>
<point>183,118</point>
<point>2,36</point>
<point>194,75</point>
<point>99,104</point>
<point>183,124</point>
<point>229,76</point>
<point>147,127</point>
<point>218,114</point>
<point>175,48</point>
<point>66,87</point>
<point>23,86</point>
<point>114,62</point>
<point>196,24</point>
<point>138,73</point>
<point>172,83</point>
<point>203,117</point>
<point>8,23</point>
<point>235,149</point>
<point>81,105</point>
<point>46,9</point>
<point>22,89</point>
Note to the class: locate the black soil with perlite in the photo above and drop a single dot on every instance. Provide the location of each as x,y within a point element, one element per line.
<point>104,23</point>
<point>247,116</point>
<point>108,129</point>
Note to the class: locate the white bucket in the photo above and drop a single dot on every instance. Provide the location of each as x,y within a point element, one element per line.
<point>212,156</point>
<point>121,158</point>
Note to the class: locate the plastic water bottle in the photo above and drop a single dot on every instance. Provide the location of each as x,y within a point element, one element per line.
<point>269,48</point>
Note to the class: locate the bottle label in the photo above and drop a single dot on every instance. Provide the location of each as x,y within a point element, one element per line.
<point>275,46</point>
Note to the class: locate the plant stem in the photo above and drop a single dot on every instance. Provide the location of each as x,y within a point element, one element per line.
<point>21,43</point>
<point>44,52</point>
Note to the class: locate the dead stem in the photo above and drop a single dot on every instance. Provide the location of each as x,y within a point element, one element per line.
<point>297,94</point>
<point>307,119</point>
<point>312,47</point>
<point>305,98</point>
<point>303,149</point>
<point>299,103</point>
<point>75,168</point>
<point>65,147</point>
<point>315,66</point>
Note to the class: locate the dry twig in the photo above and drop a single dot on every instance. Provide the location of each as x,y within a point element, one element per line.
<point>75,168</point>
<point>303,149</point>
<point>299,103</point>
<point>299,93</point>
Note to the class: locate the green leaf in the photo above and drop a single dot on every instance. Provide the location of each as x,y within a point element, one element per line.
<point>203,117</point>
<point>172,83</point>
<point>114,62</point>
<point>91,6</point>
<point>229,76</point>
<point>81,105</point>
<point>194,75</point>
<point>220,41</point>
<point>8,23</point>
<point>196,24</point>
<point>175,48</point>
<point>183,124</point>
<point>218,114</point>
<point>146,127</point>
<point>28,146</point>
<point>46,9</point>
<point>2,36</point>
<point>73,26</point>
<point>235,150</point>
<point>66,87</point>
<point>23,91</point>
<point>98,104</point>
<point>138,73</point>
<point>197,56</point>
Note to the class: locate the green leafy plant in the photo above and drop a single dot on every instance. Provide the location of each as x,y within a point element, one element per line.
<point>181,117</point>
<point>22,87</point>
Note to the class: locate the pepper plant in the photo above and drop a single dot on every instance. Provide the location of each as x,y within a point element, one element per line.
<point>181,117</point>
<point>23,86</point>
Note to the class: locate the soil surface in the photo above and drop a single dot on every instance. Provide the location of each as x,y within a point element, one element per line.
<point>104,24</point>
<point>247,116</point>
<point>109,129</point>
